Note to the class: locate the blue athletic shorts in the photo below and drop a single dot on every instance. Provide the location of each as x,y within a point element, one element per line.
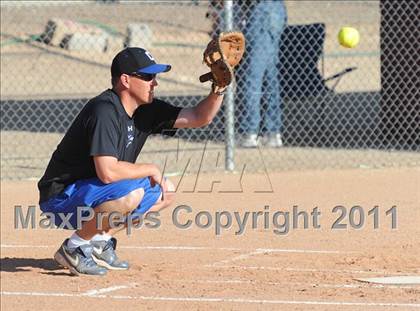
<point>92,192</point>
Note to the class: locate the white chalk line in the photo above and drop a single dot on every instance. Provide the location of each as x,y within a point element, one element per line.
<point>306,251</point>
<point>314,285</point>
<point>260,251</point>
<point>292,269</point>
<point>25,246</point>
<point>236,258</point>
<point>181,248</point>
<point>214,299</point>
<point>192,248</point>
<point>95,292</point>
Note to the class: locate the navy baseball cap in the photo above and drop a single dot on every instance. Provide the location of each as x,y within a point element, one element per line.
<point>136,60</point>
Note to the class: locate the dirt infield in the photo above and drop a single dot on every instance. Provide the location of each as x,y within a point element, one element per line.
<point>305,269</point>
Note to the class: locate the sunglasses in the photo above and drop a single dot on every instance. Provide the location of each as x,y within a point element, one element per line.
<point>144,76</point>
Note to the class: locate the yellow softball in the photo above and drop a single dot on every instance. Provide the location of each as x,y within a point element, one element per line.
<point>348,37</point>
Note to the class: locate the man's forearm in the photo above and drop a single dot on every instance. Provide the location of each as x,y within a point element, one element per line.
<point>207,109</point>
<point>126,170</point>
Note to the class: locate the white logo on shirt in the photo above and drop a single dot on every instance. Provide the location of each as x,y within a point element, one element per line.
<point>130,140</point>
<point>130,135</point>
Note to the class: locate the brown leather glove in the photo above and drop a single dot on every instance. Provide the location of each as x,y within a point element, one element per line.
<point>222,55</point>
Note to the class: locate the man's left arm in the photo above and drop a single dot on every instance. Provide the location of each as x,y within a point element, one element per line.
<point>221,55</point>
<point>200,115</point>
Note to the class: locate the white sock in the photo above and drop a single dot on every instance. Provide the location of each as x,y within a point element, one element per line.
<point>75,241</point>
<point>101,237</point>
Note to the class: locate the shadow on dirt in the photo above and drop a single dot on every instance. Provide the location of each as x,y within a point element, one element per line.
<point>27,264</point>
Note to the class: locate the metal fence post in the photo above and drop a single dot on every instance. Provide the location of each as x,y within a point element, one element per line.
<point>229,100</point>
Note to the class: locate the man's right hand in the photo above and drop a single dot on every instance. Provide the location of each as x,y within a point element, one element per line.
<point>156,177</point>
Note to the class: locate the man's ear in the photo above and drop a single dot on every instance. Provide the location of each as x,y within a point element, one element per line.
<point>124,78</point>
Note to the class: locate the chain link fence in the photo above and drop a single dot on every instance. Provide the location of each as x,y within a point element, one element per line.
<point>332,107</point>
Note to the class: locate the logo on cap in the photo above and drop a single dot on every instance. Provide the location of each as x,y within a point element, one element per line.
<point>149,55</point>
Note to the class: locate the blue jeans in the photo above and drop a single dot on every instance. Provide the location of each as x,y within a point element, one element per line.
<point>259,81</point>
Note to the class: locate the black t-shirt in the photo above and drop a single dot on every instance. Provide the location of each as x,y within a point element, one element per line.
<point>103,128</point>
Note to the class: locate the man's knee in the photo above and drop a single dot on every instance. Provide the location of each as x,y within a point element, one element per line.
<point>131,201</point>
<point>168,198</point>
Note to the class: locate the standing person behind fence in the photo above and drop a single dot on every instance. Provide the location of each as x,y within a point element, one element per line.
<point>94,165</point>
<point>258,84</point>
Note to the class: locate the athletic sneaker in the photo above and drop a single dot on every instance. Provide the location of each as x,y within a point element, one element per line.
<point>273,140</point>
<point>78,260</point>
<point>105,256</point>
<point>249,141</point>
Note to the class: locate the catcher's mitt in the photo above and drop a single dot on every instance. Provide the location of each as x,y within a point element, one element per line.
<point>222,55</point>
